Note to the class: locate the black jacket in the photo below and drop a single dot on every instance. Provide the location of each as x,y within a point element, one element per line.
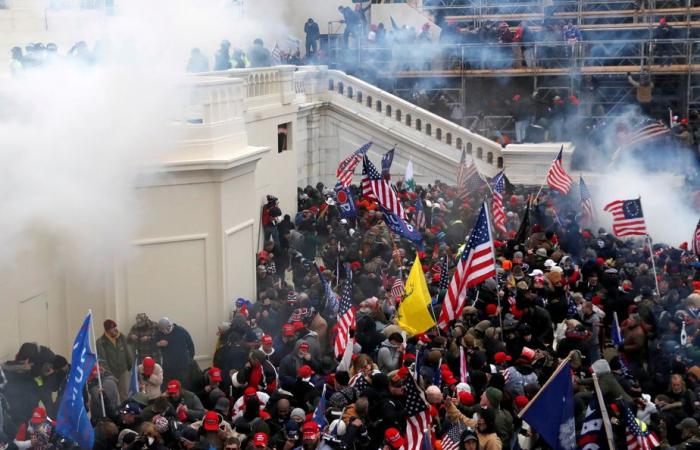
<point>179,351</point>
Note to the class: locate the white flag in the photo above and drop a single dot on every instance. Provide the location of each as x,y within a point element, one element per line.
<point>408,178</point>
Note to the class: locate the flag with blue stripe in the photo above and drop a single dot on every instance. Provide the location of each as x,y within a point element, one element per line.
<point>72,421</point>
<point>320,412</point>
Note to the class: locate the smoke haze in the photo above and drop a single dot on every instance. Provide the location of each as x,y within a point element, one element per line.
<point>73,136</point>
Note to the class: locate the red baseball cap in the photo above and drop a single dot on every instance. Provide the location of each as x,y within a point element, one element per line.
<point>211,421</point>
<point>305,371</point>
<point>392,436</point>
<point>149,365</point>
<point>260,440</point>
<point>250,391</point>
<point>466,398</point>
<point>215,374</point>
<point>174,387</point>
<point>266,340</point>
<point>298,325</point>
<point>38,416</point>
<point>501,357</point>
<point>288,329</point>
<point>310,430</point>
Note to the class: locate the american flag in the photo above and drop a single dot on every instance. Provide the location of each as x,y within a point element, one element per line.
<point>587,211</point>
<point>359,382</point>
<point>346,316</point>
<point>638,435</point>
<point>646,130</point>
<point>418,221</point>
<point>468,178</point>
<point>444,273</point>
<point>381,189</point>
<point>453,437</point>
<point>330,298</point>
<point>397,288</point>
<point>499,213</point>
<point>557,178</point>
<point>387,159</point>
<point>696,240</point>
<point>276,54</point>
<point>463,370</point>
<point>346,168</point>
<point>476,264</point>
<point>628,218</point>
<point>418,417</point>
<point>571,309</point>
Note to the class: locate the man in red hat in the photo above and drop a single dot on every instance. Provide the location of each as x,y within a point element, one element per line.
<point>37,430</point>
<point>187,406</point>
<point>150,378</point>
<point>115,355</point>
<point>260,441</point>
<point>393,440</point>
<point>291,363</point>
<point>310,435</point>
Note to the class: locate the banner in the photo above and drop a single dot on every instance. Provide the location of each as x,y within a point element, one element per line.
<point>346,204</point>
<point>72,421</point>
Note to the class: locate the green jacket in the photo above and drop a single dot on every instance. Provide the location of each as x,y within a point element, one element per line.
<point>117,358</point>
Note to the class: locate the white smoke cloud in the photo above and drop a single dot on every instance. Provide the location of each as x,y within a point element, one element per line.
<point>73,137</point>
<point>657,175</point>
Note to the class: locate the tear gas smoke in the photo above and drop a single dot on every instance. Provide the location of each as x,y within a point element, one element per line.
<point>73,136</point>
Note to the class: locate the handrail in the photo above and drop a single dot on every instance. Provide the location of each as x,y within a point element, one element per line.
<point>488,152</point>
<point>410,107</point>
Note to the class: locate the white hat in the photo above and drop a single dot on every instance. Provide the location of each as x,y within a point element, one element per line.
<point>330,201</point>
<point>536,273</point>
<point>344,221</point>
<point>550,263</point>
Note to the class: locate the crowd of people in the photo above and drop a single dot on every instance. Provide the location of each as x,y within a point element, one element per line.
<point>275,381</point>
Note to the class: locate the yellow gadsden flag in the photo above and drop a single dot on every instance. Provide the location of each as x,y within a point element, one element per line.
<point>414,316</point>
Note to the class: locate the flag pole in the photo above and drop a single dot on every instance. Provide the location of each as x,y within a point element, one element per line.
<point>604,413</point>
<point>97,363</point>
<point>554,374</point>
<point>653,265</point>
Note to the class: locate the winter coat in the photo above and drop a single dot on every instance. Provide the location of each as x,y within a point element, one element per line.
<point>176,356</point>
<point>289,366</point>
<point>517,381</point>
<point>151,385</point>
<point>115,355</point>
<point>195,409</point>
<point>268,381</point>
<point>388,357</point>
<point>141,338</point>
<point>489,441</point>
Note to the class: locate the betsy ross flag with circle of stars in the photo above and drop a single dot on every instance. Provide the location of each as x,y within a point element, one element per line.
<point>628,218</point>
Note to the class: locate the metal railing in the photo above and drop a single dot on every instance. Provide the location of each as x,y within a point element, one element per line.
<point>535,55</point>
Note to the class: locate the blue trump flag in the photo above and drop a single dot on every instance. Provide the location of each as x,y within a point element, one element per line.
<point>551,412</point>
<point>72,421</point>
<point>397,225</point>
<point>346,204</point>
<point>320,412</point>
